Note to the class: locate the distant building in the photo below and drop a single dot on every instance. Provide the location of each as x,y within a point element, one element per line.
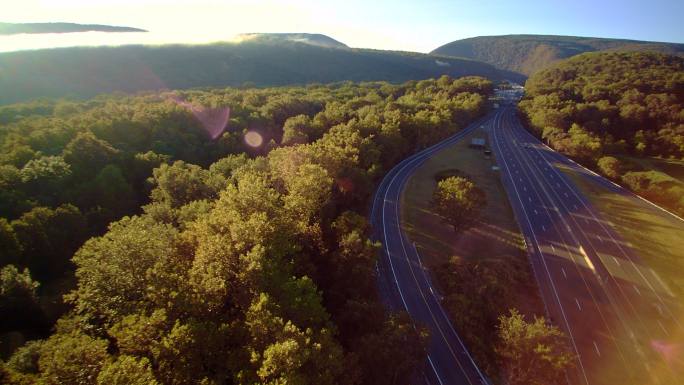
<point>477,143</point>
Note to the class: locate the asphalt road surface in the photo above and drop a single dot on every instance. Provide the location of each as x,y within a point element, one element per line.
<point>405,284</point>
<point>619,315</point>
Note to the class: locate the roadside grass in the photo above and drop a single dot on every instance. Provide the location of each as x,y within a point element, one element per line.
<point>495,235</point>
<point>656,237</point>
<point>482,272</point>
<point>671,167</point>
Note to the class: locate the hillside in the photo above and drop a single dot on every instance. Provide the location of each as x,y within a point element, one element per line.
<point>316,39</point>
<point>526,54</point>
<point>17,28</point>
<point>618,112</point>
<point>88,71</point>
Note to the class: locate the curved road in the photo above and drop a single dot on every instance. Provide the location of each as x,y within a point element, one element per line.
<point>404,283</point>
<point>615,311</point>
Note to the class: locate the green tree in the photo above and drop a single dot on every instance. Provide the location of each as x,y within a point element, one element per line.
<point>48,237</point>
<point>25,359</point>
<point>72,358</point>
<point>18,298</point>
<point>398,347</point>
<point>9,244</point>
<point>127,370</point>
<point>134,266</point>
<point>180,183</point>
<point>296,130</point>
<point>86,154</point>
<point>13,198</point>
<point>112,191</point>
<point>140,335</point>
<point>532,353</point>
<point>194,351</point>
<point>610,167</point>
<point>458,201</point>
<point>45,177</point>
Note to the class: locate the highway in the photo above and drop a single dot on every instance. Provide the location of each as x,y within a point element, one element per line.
<point>616,311</point>
<point>405,284</point>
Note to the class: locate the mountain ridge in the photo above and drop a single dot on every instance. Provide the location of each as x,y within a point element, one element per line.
<point>84,72</point>
<point>316,39</point>
<point>526,54</point>
<point>59,27</point>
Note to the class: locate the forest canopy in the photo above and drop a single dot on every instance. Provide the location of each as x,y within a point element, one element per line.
<point>202,255</point>
<point>600,108</point>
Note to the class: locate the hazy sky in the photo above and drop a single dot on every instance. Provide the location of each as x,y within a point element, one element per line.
<point>384,24</point>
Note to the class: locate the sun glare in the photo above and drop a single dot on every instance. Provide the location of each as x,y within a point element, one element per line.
<point>254,139</point>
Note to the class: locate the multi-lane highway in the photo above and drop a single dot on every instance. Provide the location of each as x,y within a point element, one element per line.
<point>616,311</point>
<point>618,315</point>
<point>404,283</point>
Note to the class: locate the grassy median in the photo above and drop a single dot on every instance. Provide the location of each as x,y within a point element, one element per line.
<point>482,272</point>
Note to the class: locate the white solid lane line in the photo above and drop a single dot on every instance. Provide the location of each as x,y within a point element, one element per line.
<point>618,244</point>
<point>569,230</point>
<point>384,223</point>
<point>581,201</point>
<point>435,370</point>
<point>663,327</point>
<point>543,260</point>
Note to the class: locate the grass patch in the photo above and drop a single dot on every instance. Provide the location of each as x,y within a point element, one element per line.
<point>483,271</point>
<point>671,167</point>
<point>495,236</point>
<point>655,236</point>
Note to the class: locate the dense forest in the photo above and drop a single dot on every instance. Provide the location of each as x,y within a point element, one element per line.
<point>209,236</point>
<point>267,60</point>
<point>527,54</point>
<point>606,108</point>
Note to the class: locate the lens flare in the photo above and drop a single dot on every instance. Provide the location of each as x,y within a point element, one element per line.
<point>213,120</point>
<point>253,139</point>
<point>670,352</point>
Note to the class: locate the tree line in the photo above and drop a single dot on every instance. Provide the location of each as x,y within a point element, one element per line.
<point>478,294</point>
<point>202,257</point>
<point>603,108</point>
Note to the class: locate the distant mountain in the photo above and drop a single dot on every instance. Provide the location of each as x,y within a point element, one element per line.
<point>308,38</point>
<point>526,54</point>
<point>88,71</point>
<point>17,28</point>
